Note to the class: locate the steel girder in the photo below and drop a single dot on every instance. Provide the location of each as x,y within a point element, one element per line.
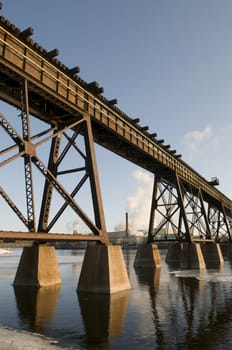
<point>180,212</point>
<point>60,142</point>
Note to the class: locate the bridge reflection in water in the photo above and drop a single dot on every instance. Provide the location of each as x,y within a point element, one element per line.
<point>165,309</point>
<point>103,316</point>
<point>37,306</point>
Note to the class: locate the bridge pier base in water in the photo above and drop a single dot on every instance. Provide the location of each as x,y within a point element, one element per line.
<point>185,255</point>
<point>174,254</point>
<point>38,267</point>
<point>103,270</point>
<point>191,256</point>
<point>148,256</point>
<point>212,254</point>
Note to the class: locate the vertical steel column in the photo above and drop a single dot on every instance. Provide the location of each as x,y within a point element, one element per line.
<point>48,187</point>
<point>152,212</point>
<point>226,222</point>
<point>91,165</point>
<point>182,209</point>
<point>208,231</point>
<point>25,118</point>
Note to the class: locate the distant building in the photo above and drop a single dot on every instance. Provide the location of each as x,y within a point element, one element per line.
<point>121,238</point>
<point>164,234</point>
<point>116,234</point>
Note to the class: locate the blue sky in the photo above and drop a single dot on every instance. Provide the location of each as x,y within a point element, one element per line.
<point>168,62</point>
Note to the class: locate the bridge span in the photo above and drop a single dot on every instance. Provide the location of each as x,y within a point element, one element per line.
<point>39,85</point>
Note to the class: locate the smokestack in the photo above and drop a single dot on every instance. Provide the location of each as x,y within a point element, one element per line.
<point>127,226</point>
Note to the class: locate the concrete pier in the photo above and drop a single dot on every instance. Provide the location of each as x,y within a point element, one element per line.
<point>148,256</point>
<point>185,256</point>
<point>226,249</point>
<point>174,254</point>
<point>191,256</point>
<point>212,254</point>
<point>103,270</point>
<point>38,267</point>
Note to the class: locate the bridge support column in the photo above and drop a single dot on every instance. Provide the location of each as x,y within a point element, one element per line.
<point>38,267</point>
<point>103,270</point>
<point>212,254</point>
<point>226,249</point>
<point>148,256</point>
<point>174,254</point>
<point>191,256</point>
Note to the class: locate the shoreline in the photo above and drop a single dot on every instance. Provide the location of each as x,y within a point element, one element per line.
<point>14,339</point>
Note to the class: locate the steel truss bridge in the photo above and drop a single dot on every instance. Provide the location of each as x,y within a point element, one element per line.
<point>34,81</point>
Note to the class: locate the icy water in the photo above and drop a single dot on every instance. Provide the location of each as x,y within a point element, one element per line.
<point>167,309</point>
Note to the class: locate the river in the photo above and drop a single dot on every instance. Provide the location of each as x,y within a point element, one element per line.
<point>165,309</point>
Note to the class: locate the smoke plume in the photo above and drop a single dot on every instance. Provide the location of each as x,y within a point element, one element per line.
<point>138,205</point>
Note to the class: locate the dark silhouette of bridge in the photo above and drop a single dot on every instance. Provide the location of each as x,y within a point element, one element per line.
<point>39,85</point>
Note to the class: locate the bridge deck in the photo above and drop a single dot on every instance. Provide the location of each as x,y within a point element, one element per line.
<point>53,87</point>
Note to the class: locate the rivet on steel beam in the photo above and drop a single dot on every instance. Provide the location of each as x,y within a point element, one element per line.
<point>160,141</point>
<point>74,70</point>
<point>178,156</point>
<point>26,33</point>
<point>53,53</point>
<point>135,120</point>
<point>113,102</point>
<point>153,134</point>
<point>173,151</point>
<point>167,146</point>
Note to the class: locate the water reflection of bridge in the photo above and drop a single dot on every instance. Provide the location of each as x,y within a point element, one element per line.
<point>185,309</point>
<point>195,314</point>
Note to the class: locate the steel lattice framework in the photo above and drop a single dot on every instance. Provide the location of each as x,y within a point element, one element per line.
<point>34,81</point>
<point>181,210</point>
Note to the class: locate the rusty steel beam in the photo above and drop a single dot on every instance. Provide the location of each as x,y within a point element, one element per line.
<point>29,152</point>
<point>47,237</point>
<point>48,187</point>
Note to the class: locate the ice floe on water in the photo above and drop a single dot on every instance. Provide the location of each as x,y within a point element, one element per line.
<point>186,273</point>
<point>5,251</point>
<point>218,277</point>
<point>204,275</point>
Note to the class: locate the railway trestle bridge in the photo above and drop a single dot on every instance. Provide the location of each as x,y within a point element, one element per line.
<point>73,115</point>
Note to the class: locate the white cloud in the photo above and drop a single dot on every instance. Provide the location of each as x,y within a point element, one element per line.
<point>207,151</point>
<point>194,140</point>
<point>138,205</point>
